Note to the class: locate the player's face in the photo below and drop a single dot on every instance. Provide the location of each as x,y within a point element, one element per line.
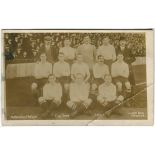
<point>34,53</point>
<point>6,49</point>
<point>25,35</point>
<point>106,41</point>
<point>51,79</point>
<point>120,57</point>
<point>100,59</point>
<point>18,51</point>
<point>122,43</point>
<point>86,40</point>
<point>79,79</point>
<point>43,58</point>
<point>108,79</point>
<point>67,43</point>
<point>25,54</point>
<point>52,43</point>
<point>9,41</point>
<point>79,58</point>
<point>61,57</point>
<point>16,39</point>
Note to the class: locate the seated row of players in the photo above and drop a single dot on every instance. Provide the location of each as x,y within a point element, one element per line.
<point>77,83</point>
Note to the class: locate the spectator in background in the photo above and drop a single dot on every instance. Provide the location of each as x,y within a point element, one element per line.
<point>88,51</point>
<point>99,42</point>
<point>107,51</point>
<point>19,45</point>
<point>10,44</point>
<point>38,41</point>
<point>6,37</point>
<point>26,44</point>
<point>33,45</point>
<point>25,56</point>
<point>15,43</point>
<point>9,55</point>
<point>18,55</point>
<point>35,55</point>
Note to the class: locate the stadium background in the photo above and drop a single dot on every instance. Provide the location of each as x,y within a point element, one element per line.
<point>30,42</point>
<point>19,99</point>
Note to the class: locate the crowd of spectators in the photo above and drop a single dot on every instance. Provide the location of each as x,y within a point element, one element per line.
<point>26,46</point>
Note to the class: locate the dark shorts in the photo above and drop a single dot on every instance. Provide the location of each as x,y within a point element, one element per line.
<point>131,75</point>
<point>41,82</point>
<point>63,80</point>
<point>93,95</point>
<point>120,79</point>
<point>109,63</point>
<point>98,81</point>
<point>70,62</point>
<point>39,91</point>
<point>49,105</point>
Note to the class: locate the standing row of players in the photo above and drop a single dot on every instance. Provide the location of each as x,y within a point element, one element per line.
<point>78,86</point>
<point>90,53</point>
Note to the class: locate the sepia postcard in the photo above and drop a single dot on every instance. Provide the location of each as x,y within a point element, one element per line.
<point>77,77</point>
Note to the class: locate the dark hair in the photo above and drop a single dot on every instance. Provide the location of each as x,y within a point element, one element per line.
<point>51,75</point>
<point>87,35</point>
<point>107,75</point>
<point>61,53</point>
<point>122,39</point>
<point>79,74</point>
<point>42,53</point>
<point>79,54</point>
<point>99,56</point>
<point>119,53</point>
<point>105,37</point>
<point>67,38</point>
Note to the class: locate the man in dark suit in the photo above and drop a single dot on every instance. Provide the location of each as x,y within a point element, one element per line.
<point>48,50</point>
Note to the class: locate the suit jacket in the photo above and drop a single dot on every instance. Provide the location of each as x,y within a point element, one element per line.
<point>51,53</point>
<point>127,53</point>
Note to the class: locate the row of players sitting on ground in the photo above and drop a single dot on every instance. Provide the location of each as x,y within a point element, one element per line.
<point>78,84</point>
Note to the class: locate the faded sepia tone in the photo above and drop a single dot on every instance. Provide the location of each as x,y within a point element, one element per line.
<point>77,77</point>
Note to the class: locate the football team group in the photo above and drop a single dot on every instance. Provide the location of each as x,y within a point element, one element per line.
<point>83,77</point>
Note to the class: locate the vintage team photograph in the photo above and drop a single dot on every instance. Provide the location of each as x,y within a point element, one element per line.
<point>76,75</point>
